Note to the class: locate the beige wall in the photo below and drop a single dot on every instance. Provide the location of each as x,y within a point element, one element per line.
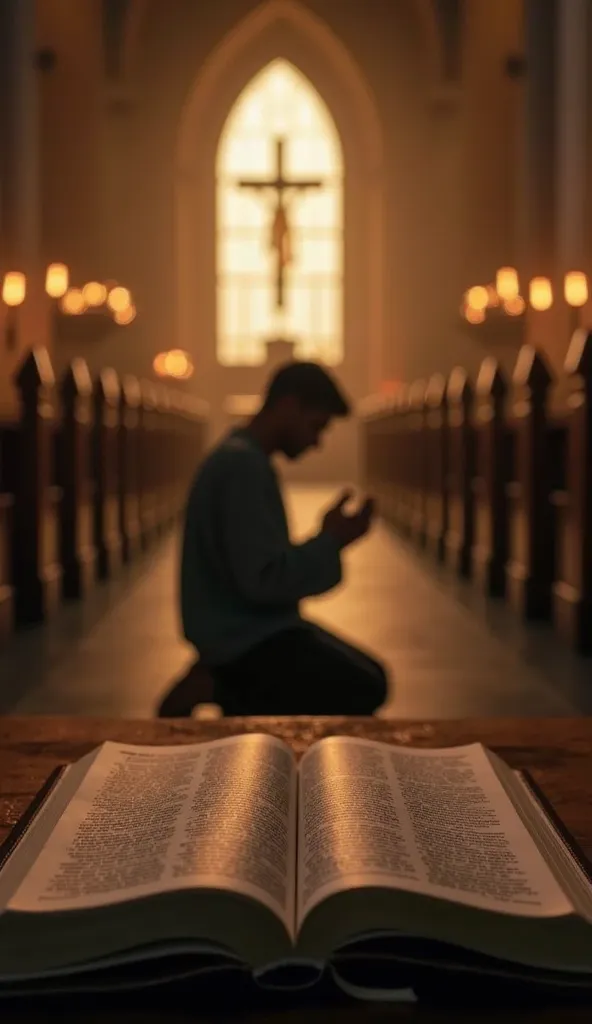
<point>19,192</point>
<point>71,109</point>
<point>491,32</point>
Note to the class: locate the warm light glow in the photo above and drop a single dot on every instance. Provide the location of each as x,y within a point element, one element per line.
<point>57,279</point>
<point>475,316</point>
<point>515,306</point>
<point>493,299</point>
<point>540,293</point>
<point>14,288</point>
<point>279,102</point>
<point>73,302</point>
<point>477,298</point>
<point>94,293</point>
<point>159,364</point>
<point>125,316</point>
<point>178,364</point>
<point>506,283</point>
<point>175,363</point>
<point>119,299</point>
<point>575,288</point>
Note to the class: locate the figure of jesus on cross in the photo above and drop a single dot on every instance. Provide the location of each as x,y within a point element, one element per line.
<point>280,229</point>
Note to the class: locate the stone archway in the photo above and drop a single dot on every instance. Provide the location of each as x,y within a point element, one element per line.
<point>284,28</point>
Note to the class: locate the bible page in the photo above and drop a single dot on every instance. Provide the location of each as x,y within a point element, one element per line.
<point>436,822</point>
<point>147,820</point>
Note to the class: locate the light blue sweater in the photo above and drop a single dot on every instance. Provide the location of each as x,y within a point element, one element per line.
<point>241,576</point>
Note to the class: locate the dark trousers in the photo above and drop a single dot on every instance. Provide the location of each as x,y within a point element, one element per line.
<point>301,671</point>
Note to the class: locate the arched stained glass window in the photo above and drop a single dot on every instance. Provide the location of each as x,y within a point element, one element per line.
<point>279,222</point>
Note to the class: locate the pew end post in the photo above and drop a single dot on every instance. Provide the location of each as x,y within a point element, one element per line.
<point>458,541</point>
<point>436,443</point>
<point>77,543</point>
<point>492,475</point>
<point>572,591</point>
<point>36,569</point>
<point>107,536</point>
<point>530,567</point>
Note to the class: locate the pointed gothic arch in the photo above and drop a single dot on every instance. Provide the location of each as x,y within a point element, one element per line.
<point>285,28</point>
<point>434,38</point>
<point>279,250</point>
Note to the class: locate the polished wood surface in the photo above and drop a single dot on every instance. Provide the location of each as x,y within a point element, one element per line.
<point>79,466</point>
<point>495,471</point>
<point>556,751</point>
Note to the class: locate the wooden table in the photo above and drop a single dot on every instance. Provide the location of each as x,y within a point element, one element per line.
<point>558,752</point>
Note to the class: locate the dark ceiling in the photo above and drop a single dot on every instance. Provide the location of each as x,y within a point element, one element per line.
<point>448,14</point>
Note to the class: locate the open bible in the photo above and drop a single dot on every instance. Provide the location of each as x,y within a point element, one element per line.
<point>365,861</point>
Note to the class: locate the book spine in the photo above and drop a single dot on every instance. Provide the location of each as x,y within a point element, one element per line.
<point>559,826</point>
<point>18,832</point>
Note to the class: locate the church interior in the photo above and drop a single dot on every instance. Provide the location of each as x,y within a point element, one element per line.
<point>192,194</point>
<point>295,362</point>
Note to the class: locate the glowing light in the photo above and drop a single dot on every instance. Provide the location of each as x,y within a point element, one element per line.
<point>506,283</point>
<point>540,293</point>
<point>57,279</point>
<point>475,316</point>
<point>514,306</point>
<point>119,299</point>
<point>73,302</point>
<point>493,300</point>
<point>159,364</point>
<point>176,364</point>
<point>279,102</point>
<point>477,298</point>
<point>14,288</point>
<point>575,288</point>
<point>125,316</point>
<point>94,293</point>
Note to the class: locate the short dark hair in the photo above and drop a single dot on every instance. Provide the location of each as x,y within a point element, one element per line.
<point>311,384</point>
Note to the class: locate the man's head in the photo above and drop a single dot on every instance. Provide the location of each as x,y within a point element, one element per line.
<point>300,402</point>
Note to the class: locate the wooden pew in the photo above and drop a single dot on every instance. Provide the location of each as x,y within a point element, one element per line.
<point>35,564</point>
<point>148,465</point>
<point>415,456</point>
<point>78,553</point>
<point>493,473</point>
<point>531,555</point>
<point>128,468</point>
<point>177,454</point>
<point>572,501</point>
<point>436,449</point>
<point>380,419</point>
<point>384,485</point>
<point>458,540</point>
<point>87,471</point>
<point>393,466</point>
<point>498,479</point>
<point>105,463</point>
<point>6,519</point>
<point>409,448</point>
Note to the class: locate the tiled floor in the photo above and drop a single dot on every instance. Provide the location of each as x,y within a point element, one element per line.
<point>449,656</point>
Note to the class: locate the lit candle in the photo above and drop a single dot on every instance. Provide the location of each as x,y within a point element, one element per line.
<point>14,288</point>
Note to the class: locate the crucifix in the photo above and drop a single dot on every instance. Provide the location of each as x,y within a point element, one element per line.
<point>280,229</point>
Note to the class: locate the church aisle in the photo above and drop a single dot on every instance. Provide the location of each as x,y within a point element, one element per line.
<point>117,657</point>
